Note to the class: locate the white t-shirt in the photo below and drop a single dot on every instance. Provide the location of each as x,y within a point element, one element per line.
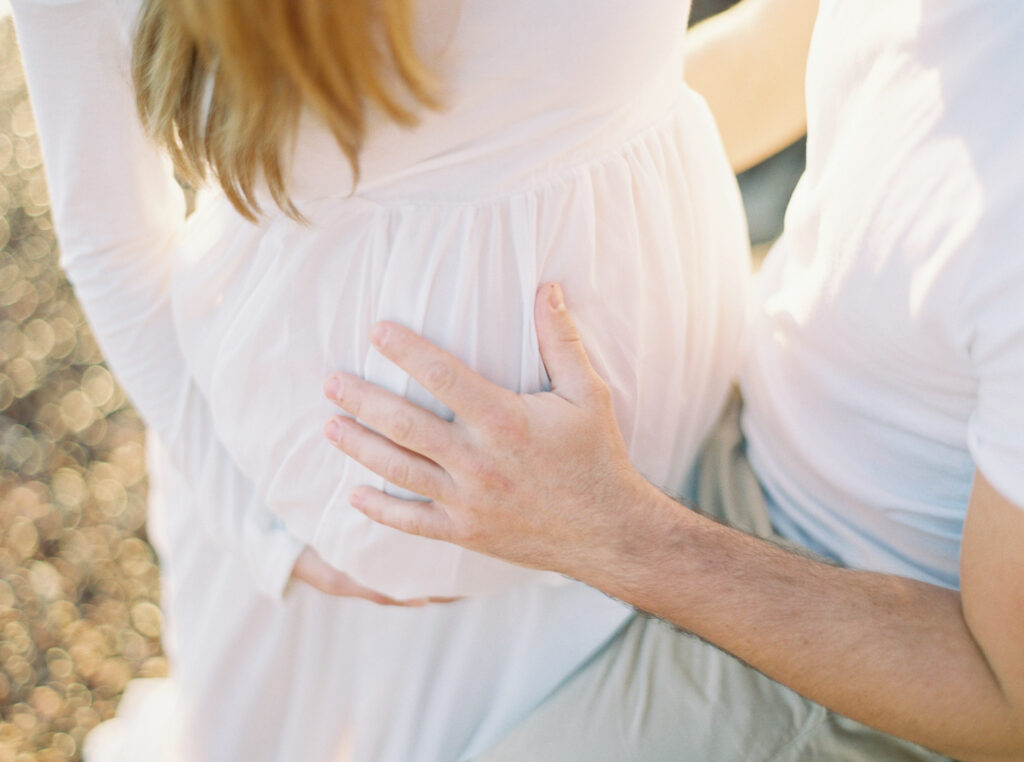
<point>888,345</point>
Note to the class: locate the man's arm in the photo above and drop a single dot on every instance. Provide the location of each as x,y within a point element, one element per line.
<point>749,63</point>
<point>544,480</point>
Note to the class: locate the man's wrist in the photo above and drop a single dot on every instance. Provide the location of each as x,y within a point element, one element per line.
<point>628,558</point>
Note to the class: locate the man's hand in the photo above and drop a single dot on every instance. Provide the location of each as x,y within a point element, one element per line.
<point>521,477</point>
<point>544,480</point>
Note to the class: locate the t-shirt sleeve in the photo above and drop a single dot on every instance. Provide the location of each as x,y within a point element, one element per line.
<point>994,315</point>
<point>118,210</point>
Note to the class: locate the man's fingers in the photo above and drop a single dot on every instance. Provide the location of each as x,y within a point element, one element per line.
<point>395,417</point>
<point>561,349</point>
<point>413,517</point>
<point>469,395</point>
<point>396,464</point>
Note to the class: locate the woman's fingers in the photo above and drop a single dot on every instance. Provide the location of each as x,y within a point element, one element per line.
<point>468,394</point>
<point>314,571</point>
<point>398,465</point>
<point>426,519</point>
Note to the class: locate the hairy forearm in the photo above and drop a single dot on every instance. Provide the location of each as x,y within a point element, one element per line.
<point>890,652</point>
<point>544,480</point>
<point>749,64</point>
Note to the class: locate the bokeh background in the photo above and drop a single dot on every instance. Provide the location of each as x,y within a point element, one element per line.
<point>79,586</point>
<point>79,594</point>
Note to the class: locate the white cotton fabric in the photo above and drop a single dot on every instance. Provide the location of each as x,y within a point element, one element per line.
<point>888,348</point>
<point>568,150</point>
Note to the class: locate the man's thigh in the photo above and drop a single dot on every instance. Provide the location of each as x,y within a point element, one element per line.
<point>655,695</point>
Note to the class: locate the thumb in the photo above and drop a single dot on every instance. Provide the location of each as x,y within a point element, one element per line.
<point>565,359</point>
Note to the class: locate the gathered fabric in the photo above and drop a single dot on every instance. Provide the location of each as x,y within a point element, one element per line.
<point>272,310</point>
<point>567,150</point>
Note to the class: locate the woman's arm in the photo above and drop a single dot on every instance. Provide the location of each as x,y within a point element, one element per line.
<point>117,210</point>
<point>749,64</point>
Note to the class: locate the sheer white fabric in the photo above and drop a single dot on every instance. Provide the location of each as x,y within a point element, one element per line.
<point>463,274</point>
<point>568,150</point>
<point>450,232</point>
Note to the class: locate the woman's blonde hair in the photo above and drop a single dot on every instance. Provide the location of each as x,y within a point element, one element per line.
<point>221,83</point>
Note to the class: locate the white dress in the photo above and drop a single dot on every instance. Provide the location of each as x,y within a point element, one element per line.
<point>568,150</point>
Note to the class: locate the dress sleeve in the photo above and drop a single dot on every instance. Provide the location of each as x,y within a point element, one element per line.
<point>117,210</point>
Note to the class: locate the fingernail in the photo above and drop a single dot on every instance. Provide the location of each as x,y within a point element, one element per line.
<point>332,429</point>
<point>331,387</point>
<point>556,300</point>
<point>416,602</point>
<point>379,335</point>
<point>355,498</point>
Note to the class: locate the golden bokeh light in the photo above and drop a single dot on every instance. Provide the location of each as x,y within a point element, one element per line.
<point>79,602</point>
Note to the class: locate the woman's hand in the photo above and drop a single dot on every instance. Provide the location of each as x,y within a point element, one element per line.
<point>313,570</point>
<point>542,480</point>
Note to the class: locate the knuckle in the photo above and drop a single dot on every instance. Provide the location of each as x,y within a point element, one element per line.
<point>439,376</point>
<point>472,536</point>
<point>489,478</point>
<point>396,471</point>
<point>401,427</point>
<point>464,536</point>
<point>411,526</point>
<point>445,488</point>
<point>410,523</point>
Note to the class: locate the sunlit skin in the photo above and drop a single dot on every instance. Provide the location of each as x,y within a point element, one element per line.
<point>544,480</point>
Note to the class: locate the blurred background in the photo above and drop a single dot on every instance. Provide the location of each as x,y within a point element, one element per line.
<point>79,587</point>
<point>767,187</point>
<point>79,596</point>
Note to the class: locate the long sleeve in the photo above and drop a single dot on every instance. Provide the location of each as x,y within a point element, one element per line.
<point>117,211</point>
